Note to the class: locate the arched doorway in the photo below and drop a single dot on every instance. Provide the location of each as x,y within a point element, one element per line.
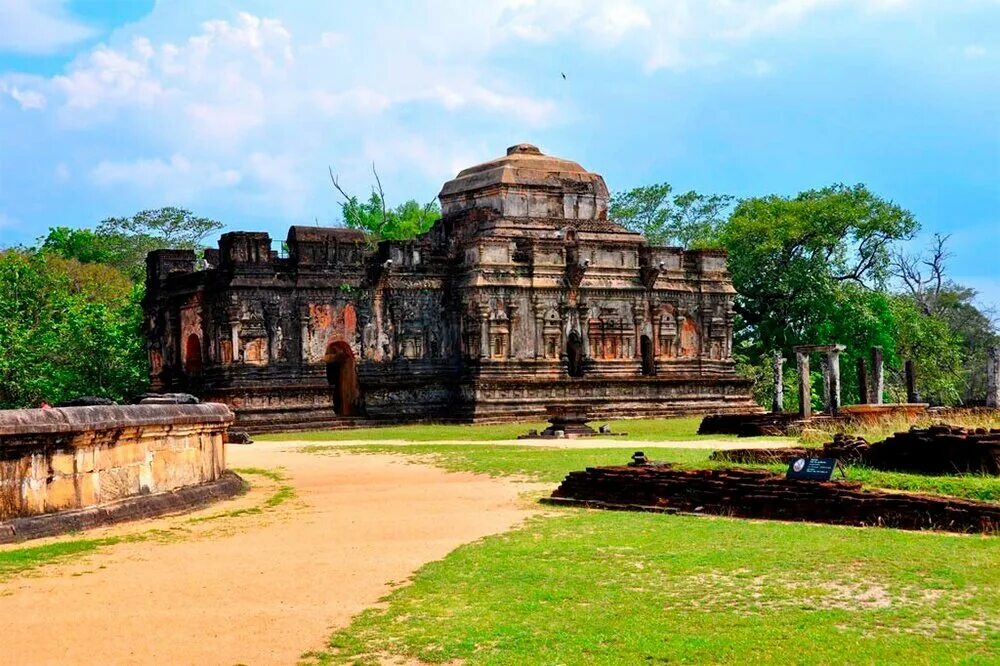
<point>192,355</point>
<point>574,355</point>
<point>648,362</point>
<point>342,375</point>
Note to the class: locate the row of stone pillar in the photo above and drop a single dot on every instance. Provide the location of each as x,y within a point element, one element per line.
<point>871,393</point>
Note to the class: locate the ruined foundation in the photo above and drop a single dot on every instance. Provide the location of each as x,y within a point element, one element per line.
<point>760,494</point>
<point>938,450</point>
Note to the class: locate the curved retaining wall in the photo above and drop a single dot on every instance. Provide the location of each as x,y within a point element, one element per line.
<point>80,457</point>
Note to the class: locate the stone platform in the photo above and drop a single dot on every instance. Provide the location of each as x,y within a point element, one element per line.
<point>748,493</point>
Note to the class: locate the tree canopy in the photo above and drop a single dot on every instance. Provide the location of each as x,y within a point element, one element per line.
<point>124,242</point>
<point>665,218</point>
<point>824,266</point>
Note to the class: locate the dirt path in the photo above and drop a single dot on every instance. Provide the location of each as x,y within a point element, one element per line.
<point>264,588</point>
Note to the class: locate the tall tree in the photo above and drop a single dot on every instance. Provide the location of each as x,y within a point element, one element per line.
<point>789,256</point>
<point>664,218</point>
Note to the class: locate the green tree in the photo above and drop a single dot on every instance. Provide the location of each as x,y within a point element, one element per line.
<point>926,283</point>
<point>791,257</point>
<point>381,222</point>
<point>66,330</point>
<point>664,218</point>
<point>407,220</point>
<point>124,242</point>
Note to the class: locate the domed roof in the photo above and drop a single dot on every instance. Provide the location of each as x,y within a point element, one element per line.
<point>524,164</point>
<point>522,171</point>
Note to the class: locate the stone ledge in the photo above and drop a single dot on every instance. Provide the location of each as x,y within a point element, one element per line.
<point>69,420</point>
<point>133,508</point>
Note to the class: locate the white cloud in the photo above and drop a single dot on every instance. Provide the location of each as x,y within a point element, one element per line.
<point>614,19</point>
<point>6,222</point>
<point>178,178</point>
<point>38,26</point>
<point>27,99</point>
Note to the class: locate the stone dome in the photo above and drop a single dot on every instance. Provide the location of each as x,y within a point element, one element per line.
<point>527,183</point>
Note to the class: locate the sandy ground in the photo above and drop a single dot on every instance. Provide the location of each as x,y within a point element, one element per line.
<point>574,443</point>
<point>254,589</point>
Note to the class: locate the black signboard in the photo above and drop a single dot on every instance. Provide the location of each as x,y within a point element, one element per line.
<point>811,469</point>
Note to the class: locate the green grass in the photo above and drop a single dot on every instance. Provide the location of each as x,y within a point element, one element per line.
<point>592,587</point>
<point>552,464</point>
<point>282,494</point>
<point>649,430</point>
<point>24,559</point>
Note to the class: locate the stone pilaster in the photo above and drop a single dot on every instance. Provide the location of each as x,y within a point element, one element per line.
<point>484,331</point>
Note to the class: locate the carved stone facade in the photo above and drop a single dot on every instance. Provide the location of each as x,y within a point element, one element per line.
<point>524,294</point>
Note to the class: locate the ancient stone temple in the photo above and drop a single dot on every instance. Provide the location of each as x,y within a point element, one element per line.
<point>524,294</point>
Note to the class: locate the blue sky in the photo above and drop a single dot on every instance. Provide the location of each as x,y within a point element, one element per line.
<point>235,109</point>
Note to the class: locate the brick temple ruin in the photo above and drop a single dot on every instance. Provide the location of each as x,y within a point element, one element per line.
<point>524,294</point>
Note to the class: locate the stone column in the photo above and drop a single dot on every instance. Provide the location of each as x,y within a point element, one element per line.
<point>805,388</point>
<point>638,319</point>
<point>824,366</point>
<point>484,331</point>
<point>878,376</point>
<point>911,382</point>
<point>993,377</point>
<point>863,393</point>
<point>778,405</point>
<point>833,367</point>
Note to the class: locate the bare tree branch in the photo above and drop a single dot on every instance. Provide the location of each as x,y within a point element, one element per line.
<point>381,196</point>
<point>336,184</point>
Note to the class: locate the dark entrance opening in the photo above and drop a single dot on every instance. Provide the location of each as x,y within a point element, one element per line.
<point>192,355</point>
<point>342,375</point>
<point>648,362</point>
<point>574,355</point>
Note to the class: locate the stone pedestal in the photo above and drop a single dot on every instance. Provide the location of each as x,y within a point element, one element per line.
<point>569,419</point>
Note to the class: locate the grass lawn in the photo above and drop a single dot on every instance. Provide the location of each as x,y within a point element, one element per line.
<point>578,586</point>
<point>640,430</point>
<point>583,586</point>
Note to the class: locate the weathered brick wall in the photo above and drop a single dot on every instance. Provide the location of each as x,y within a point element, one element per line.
<point>78,457</point>
<point>761,494</point>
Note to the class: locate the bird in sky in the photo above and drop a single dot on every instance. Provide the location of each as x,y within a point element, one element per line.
<point>563,75</point>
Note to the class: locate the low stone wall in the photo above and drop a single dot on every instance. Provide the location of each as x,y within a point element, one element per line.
<point>78,457</point>
<point>760,494</point>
